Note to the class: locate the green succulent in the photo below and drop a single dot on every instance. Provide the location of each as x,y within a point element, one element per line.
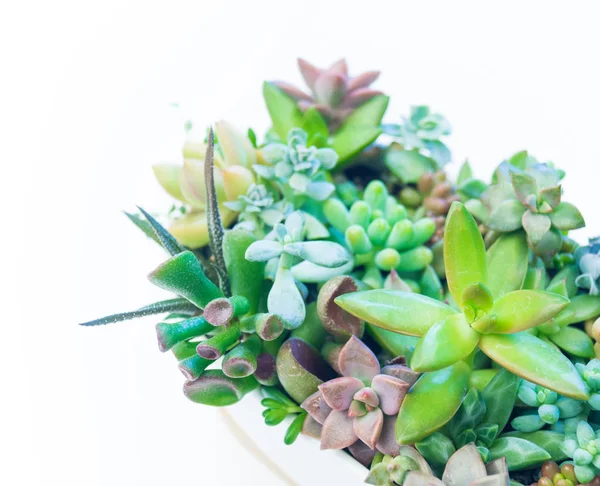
<point>590,373</point>
<point>380,234</point>
<point>588,260</point>
<point>387,470</point>
<point>530,197</point>
<point>584,448</point>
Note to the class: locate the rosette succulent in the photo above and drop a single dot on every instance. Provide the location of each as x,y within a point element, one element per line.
<point>588,260</point>
<point>233,158</point>
<point>363,403</point>
<point>388,470</point>
<point>590,373</point>
<point>333,92</point>
<point>380,234</point>
<point>530,197</point>
<point>584,448</point>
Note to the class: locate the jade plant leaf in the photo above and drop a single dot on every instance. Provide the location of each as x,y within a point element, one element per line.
<point>574,341</point>
<point>519,453</point>
<point>422,411</point>
<point>445,343</point>
<point>499,396</point>
<point>283,110</point>
<point>523,309</point>
<point>464,252</point>
<point>507,263</point>
<point>523,355</point>
<point>394,310</point>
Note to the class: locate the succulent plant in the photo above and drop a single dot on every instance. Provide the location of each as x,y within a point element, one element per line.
<point>529,197</point>
<point>590,373</point>
<point>464,468</point>
<point>588,260</point>
<point>494,312</point>
<point>584,448</point>
<point>380,235</point>
<point>551,407</point>
<point>289,247</point>
<point>363,403</point>
<point>388,470</point>
<point>234,159</point>
<point>554,475</point>
<point>333,92</point>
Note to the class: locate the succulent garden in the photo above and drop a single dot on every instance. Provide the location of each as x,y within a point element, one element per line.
<point>438,330</point>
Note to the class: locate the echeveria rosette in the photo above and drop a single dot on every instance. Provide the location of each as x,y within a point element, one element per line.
<point>551,408</point>
<point>493,311</point>
<point>464,468</point>
<point>286,249</point>
<point>333,92</point>
<point>423,131</point>
<point>590,373</point>
<point>363,403</point>
<point>298,169</point>
<point>531,200</point>
<point>380,234</point>
<point>588,260</point>
<point>584,448</point>
<point>388,470</point>
<point>234,157</point>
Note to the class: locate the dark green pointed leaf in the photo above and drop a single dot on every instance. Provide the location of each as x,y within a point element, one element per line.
<point>507,263</point>
<point>162,307</point>
<point>165,238</point>
<point>522,354</point>
<point>574,341</point>
<point>500,395</point>
<point>464,252</point>
<point>422,411</point>
<point>283,110</point>
<point>436,449</point>
<point>294,429</point>
<point>394,310</point>
<point>144,225</point>
<point>548,440</point>
<point>469,414</point>
<point>519,453</point>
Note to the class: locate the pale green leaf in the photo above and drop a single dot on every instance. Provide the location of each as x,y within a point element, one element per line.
<point>507,263</point>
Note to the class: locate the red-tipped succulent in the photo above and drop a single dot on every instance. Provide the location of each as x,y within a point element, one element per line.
<point>363,404</point>
<point>334,93</point>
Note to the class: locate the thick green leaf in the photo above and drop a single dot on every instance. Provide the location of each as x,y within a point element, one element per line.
<point>407,165</point>
<point>567,217</point>
<point>464,252</point>
<point>360,129</point>
<point>519,453</point>
<point>507,263</point>
<point>469,414</point>
<point>395,344</point>
<point>285,299</point>
<point>581,308</point>
<point>316,127</point>
<point>283,110</point>
<point>500,395</point>
<point>394,310</point>
<point>323,253</point>
<point>507,216</point>
<point>574,341</point>
<point>523,309</point>
<point>423,412</point>
<point>445,343</point>
<point>218,390</point>
<point>536,361</point>
<point>548,440</point>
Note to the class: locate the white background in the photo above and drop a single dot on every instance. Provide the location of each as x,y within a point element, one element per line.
<point>85,88</point>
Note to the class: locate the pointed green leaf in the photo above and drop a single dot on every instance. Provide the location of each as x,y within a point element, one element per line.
<point>500,395</point>
<point>523,309</point>
<point>574,341</point>
<point>536,226</point>
<point>469,414</point>
<point>316,127</point>
<point>536,361</point>
<point>394,310</point>
<point>422,411</point>
<point>507,216</point>
<point>519,453</point>
<point>567,217</point>
<point>407,165</point>
<point>507,263</point>
<point>283,110</point>
<point>395,344</point>
<point>165,238</point>
<point>144,225</point>
<point>464,252</point>
<point>548,440</point>
<point>360,129</point>
<point>465,173</point>
<point>162,307</point>
<point>568,274</point>
<point>183,275</point>
<point>445,343</point>
<point>581,308</point>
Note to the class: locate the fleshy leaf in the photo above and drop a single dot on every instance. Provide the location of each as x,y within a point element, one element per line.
<point>394,310</point>
<point>523,309</point>
<point>500,395</point>
<point>285,300</point>
<point>357,360</point>
<point>507,216</point>
<point>391,392</point>
<point>574,341</point>
<point>464,252</point>
<point>548,440</point>
<point>324,253</point>
<point>339,392</point>
<point>338,431</point>
<point>368,427</point>
<point>422,412</point>
<point>283,110</point>
<point>507,263</point>
<point>407,165</point>
<point>165,238</point>
<point>567,217</point>
<point>523,355</point>
<point>445,343</point>
<point>464,467</point>
<point>263,250</point>
<point>536,226</point>
<point>216,389</point>
<point>519,453</point>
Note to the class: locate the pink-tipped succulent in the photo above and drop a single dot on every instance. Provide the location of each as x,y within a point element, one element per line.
<point>362,404</point>
<point>334,93</point>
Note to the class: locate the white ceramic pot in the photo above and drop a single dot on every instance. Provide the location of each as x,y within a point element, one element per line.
<point>302,463</point>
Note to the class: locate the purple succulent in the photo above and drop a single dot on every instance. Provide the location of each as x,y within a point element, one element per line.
<point>333,92</point>
<point>362,404</point>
